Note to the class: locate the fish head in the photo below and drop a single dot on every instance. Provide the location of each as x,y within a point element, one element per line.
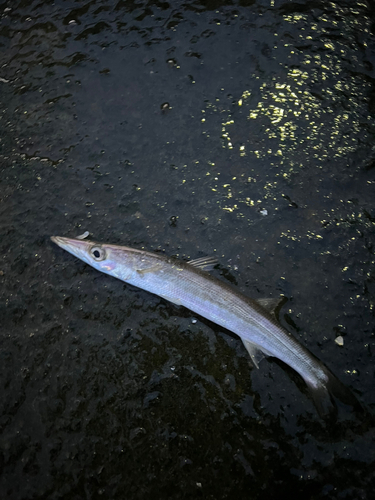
<point>109,259</point>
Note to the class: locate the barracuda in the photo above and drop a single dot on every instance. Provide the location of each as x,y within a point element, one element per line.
<point>190,285</point>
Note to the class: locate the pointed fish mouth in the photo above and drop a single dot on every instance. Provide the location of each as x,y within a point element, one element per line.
<point>59,240</point>
<point>74,246</point>
<point>62,241</point>
<point>65,242</point>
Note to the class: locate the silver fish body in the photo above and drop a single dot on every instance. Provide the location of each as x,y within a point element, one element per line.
<point>186,284</point>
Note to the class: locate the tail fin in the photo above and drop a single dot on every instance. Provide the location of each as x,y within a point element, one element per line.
<point>325,394</point>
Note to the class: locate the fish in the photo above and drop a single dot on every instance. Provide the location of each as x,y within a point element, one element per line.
<point>189,284</point>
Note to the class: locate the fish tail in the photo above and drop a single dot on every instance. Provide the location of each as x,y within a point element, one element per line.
<point>326,392</point>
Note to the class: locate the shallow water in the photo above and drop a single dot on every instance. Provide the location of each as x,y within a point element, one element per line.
<point>237,129</point>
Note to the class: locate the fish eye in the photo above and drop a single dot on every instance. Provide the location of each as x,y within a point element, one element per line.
<point>97,253</point>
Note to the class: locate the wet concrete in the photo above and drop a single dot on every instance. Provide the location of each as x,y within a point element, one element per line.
<point>262,156</point>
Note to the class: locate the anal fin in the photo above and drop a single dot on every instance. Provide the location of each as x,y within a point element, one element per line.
<point>174,300</point>
<point>256,354</point>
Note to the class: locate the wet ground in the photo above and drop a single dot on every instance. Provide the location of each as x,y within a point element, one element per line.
<point>243,130</point>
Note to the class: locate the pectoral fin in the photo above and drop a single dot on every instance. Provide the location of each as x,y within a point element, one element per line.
<point>151,269</point>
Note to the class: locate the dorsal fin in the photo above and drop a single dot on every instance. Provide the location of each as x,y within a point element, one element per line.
<point>270,304</point>
<point>204,263</point>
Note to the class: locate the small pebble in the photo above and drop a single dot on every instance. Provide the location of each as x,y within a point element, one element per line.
<point>165,106</point>
<point>339,340</point>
